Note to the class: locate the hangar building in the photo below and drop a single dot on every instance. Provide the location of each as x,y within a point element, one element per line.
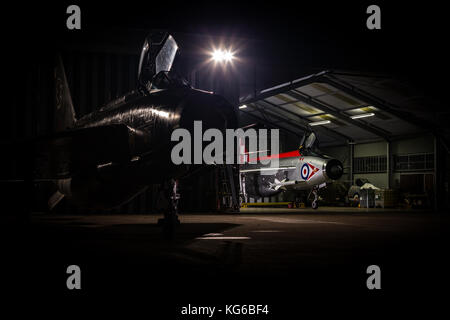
<point>378,128</point>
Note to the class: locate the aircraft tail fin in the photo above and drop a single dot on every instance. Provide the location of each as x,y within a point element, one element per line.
<point>64,117</point>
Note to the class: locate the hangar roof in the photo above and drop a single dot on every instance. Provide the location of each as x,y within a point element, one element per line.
<point>343,107</point>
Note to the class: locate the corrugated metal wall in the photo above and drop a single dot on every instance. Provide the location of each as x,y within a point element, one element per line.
<point>94,79</point>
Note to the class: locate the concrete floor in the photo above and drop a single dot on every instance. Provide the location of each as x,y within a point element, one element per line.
<point>274,256</point>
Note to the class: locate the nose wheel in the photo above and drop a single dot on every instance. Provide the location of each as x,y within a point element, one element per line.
<point>315,202</point>
<point>170,220</point>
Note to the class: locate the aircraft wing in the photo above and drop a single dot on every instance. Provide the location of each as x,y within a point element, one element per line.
<point>60,155</point>
<point>283,184</point>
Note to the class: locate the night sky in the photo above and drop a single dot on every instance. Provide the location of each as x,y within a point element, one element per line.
<point>291,35</point>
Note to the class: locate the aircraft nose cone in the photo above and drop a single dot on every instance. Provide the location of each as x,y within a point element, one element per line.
<point>334,169</point>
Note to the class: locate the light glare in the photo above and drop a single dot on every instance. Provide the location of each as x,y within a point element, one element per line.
<point>222,55</point>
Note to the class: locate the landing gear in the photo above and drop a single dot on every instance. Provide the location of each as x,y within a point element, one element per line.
<point>315,203</point>
<point>170,220</point>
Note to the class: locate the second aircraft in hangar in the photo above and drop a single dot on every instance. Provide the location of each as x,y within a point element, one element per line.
<point>302,169</point>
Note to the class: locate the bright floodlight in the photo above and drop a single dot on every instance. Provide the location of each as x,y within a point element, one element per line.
<point>222,55</point>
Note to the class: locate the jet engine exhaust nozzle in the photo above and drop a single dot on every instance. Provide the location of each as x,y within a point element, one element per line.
<point>334,169</point>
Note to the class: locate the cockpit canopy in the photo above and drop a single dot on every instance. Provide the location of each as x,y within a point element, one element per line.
<point>310,140</point>
<point>157,55</point>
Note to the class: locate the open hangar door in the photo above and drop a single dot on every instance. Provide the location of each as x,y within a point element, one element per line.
<point>384,132</point>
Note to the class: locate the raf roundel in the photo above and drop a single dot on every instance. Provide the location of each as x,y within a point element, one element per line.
<point>304,172</point>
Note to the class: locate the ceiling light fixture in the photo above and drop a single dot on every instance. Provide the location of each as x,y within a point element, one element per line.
<point>363,115</point>
<point>318,123</point>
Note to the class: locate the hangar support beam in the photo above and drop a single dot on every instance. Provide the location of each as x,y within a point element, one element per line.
<point>352,155</point>
<point>388,164</point>
<point>330,110</point>
<point>305,123</point>
<point>285,87</point>
<point>379,103</point>
<point>283,119</point>
<point>268,123</point>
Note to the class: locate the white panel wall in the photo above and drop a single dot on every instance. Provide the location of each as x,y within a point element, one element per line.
<point>370,149</point>
<point>418,144</point>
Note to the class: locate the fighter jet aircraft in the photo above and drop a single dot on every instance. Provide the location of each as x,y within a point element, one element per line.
<point>105,158</point>
<point>302,169</point>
